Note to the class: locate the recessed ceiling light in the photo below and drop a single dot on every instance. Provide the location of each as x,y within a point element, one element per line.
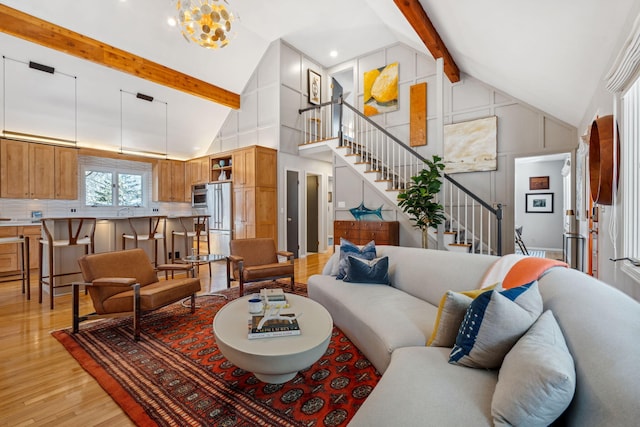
<point>172,21</point>
<point>333,53</point>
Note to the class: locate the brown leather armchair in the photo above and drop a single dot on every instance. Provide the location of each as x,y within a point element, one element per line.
<point>124,283</point>
<point>255,260</point>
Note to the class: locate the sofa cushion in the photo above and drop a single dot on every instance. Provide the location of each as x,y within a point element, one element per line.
<point>378,319</point>
<point>451,311</point>
<point>364,271</point>
<point>347,249</point>
<point>420,389</point>
<point>537,379</point>
<point>493,323</point>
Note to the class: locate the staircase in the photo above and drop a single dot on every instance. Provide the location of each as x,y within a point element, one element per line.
<point>388,164</point>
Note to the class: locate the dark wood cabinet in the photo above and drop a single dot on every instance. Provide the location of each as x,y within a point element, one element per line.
<point>362,232</point>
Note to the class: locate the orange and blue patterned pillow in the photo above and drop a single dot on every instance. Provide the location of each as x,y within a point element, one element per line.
<point>493,323</point>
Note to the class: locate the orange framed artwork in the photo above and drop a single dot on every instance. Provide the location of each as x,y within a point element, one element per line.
<point>539,183</point>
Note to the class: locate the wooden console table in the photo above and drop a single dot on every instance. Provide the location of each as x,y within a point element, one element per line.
<point>362,232</point>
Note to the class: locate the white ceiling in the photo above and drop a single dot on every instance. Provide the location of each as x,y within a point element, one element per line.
<point>547,53</point>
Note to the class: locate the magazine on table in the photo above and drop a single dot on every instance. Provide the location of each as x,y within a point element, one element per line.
<point>273,327</point>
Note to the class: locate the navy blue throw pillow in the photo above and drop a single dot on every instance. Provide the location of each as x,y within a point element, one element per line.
<point>368,271</point>
<point>347,248</point>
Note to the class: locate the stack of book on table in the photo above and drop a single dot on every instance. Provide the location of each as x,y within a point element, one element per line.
<point>273,327</point>
<point>274,298</point>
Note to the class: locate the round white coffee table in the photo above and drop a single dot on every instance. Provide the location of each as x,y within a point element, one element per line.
<point>273,360</point>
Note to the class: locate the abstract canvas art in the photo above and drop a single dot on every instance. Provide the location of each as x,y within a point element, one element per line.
<point>381,90</point>
<point>471,146</point>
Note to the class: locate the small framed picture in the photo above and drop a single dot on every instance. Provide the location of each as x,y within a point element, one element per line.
<point>539,183</point>
<point>539,202</point>
<point>315,87</point>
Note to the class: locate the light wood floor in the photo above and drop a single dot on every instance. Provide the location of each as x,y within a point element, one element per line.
<point>41,384</point>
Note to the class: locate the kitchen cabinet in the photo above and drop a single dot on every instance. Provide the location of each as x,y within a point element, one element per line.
<point>197,172</point>
<point>26,170</point>
<point>66,171</point>
<point>10,253</point>
<point>362,232</point>
<point>169,181</point>
<point>38,171</point>
<point>254,193</point>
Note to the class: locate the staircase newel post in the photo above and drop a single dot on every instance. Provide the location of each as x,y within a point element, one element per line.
<point>499,220</point>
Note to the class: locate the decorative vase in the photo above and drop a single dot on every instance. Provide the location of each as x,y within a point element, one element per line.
<point>425,238</point>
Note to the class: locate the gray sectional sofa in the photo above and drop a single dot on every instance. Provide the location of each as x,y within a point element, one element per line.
<point>391,325</point>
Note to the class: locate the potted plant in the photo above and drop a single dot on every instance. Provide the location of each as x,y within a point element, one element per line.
<point>418,199</point>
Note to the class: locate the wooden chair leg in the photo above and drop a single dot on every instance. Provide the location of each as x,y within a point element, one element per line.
<point>40,250</point>
<point>51,277</point>
<point>136,312</point>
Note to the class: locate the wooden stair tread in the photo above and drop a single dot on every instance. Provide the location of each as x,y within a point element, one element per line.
<point>460,244</point>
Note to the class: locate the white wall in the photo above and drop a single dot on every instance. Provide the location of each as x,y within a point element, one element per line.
<point>522,130</point>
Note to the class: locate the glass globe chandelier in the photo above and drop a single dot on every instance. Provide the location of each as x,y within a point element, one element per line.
<point>208,23</point>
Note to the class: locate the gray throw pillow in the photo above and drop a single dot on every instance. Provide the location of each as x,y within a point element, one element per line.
<point>537,379</point>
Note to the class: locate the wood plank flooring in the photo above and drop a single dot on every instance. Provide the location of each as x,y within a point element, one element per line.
<point>41,384</point>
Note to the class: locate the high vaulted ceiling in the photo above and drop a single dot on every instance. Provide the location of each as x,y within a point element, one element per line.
<point>547,53</point>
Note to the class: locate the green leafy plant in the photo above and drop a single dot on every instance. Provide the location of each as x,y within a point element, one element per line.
<point>418,200</point>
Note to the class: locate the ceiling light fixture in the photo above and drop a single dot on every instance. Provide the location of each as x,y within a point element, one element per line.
<point>206,22</point>
<point>172,21</point>
<point>333,53</point>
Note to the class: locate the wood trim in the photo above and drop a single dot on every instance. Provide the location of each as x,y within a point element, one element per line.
<point>417,17</point>
<point>36,30</point>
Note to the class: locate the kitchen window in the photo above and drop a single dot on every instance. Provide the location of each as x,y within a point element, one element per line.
<point>115,183</point>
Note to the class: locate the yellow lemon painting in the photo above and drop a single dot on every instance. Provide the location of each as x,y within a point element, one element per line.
<point>381,90</point>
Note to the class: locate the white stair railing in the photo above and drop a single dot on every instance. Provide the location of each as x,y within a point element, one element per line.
<point>361,141</point>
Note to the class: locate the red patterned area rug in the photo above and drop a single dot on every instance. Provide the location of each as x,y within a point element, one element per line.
<point>176,376</point>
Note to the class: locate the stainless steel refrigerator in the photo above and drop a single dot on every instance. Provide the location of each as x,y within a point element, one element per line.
<point>219,208</point>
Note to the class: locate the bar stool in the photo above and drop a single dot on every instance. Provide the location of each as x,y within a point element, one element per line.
<point>155,229</point>
<point>25,273</point>
<point>192,227</point>
<point>63,237</point>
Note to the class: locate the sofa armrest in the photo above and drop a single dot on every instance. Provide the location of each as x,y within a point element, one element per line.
<point>124,282</point>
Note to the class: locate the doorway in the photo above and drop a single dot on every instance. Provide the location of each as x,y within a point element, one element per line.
<point>542,196</point>
<point>292,212</point>
<point>313,205</point>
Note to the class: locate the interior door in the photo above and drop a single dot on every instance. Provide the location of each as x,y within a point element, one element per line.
<point>292,213</point>
<point>336,92</point>
<point>312,214</point>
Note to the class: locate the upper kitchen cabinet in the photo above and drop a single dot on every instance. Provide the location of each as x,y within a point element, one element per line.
<point>27,170</point>
<point>38,171</point>
<point>66,170</point>
<point>169,181</point>
<point>254,166</point>
<point>197,171</point>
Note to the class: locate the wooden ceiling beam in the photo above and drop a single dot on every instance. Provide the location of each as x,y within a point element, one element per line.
<point>417,17</point>
<point>36,30</point>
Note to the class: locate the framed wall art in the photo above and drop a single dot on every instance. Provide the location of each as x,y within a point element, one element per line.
<point>381,90</point>
<point>539,183</point>
<point>539,202</point>
<point>315,87</point>
<point>471,146</point>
